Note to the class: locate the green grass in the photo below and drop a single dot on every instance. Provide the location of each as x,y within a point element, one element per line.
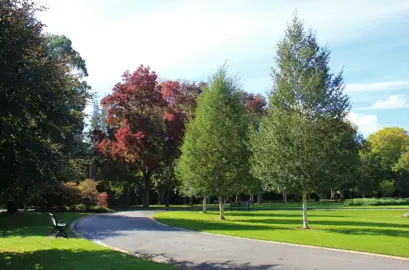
<point>376,231</point>
<point>25,243</point>
<point>274,206</point>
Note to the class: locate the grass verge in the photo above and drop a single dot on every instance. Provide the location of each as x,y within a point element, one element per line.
<point>274,206</point>
<point>25,243</point>
<point>376,231</point>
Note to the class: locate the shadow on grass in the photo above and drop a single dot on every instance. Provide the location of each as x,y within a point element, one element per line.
<point>296,214</point>
<point>105,259</point>
<point>185,264</point>
<point>33,223</point>
<point>324,222</point>
<point>371,231</point>
<point>78,259</point>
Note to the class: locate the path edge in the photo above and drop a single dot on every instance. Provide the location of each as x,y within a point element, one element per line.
<point>128,252</point>
<point>287,244</point>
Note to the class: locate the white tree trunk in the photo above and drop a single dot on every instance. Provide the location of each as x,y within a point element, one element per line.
<point>304,211</point>
<point>285,198</point>
<point>221,206</point>
<point>204,204</point>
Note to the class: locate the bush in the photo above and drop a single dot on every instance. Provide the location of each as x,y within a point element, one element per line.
<point>376,201</point>
<point>59,196</point>
<point>88,192</point>
<point>387,187</point>
<point>103,200</point>
<point>81,207</point>
<point>99,209</point>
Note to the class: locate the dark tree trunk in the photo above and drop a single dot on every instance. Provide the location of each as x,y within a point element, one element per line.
<point>167,197</point>
<point>191,202</point>
<point>128,195</point>
<point>259,194</point>
<point>11,207</point>
<point>147,177</point>
<point>342,195</point>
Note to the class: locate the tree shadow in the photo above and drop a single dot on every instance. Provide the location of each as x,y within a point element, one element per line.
<point>33,224</point>
<point>107,259</point>
<point>73,259</point>
<point>334,223</point>
<point>370,231</point>
<point>186,264</point>
<point>272,215</point>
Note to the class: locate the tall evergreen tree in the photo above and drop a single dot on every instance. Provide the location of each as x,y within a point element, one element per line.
<point>214,152</point>
<point>302,136</point>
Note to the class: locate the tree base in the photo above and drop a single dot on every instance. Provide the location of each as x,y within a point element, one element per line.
<point>12,207</point>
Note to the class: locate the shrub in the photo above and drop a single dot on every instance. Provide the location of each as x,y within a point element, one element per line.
<point>103,200</point>
<point>99,209</point>
<point>387,187</point>
<point>81,207</point>
<point>88,192</point>
<point>376,201</point>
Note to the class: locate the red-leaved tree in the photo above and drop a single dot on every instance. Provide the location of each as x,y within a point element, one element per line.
<point>134,110</point>
<point>180,98</point>
<point>148,120</point>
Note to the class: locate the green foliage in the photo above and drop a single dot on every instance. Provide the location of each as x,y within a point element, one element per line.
<point>385,156</point>
<point>305,142</point>
<point>58,196</point>
<point>387,146</point>
<point>214,151</point>
<point>42,102</point>
<point>387,187</point>
<point>376,201</point>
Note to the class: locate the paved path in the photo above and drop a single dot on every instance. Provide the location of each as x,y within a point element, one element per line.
<point>135,232</point>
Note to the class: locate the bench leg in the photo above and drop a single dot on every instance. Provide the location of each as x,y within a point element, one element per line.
<point>62,232</point>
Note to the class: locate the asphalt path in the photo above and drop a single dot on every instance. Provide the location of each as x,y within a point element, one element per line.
<point>135,233</point>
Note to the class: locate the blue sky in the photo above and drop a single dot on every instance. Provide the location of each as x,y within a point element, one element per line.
<point>190,39</point>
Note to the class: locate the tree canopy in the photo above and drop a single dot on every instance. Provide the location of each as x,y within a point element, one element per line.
<point>303,135</point>
<point>214,154</point>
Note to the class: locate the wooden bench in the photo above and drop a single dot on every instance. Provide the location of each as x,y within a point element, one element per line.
<point>241,205</point>
<point>59,227</point>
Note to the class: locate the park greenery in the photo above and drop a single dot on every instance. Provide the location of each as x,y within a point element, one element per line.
<point>174,142</point>
<point>154,141</point>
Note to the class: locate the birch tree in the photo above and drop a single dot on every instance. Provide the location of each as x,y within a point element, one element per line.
<point>299,143</point>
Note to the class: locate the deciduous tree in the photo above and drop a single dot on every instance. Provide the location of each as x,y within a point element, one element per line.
<point>301,138</point>
<point>214,157</point>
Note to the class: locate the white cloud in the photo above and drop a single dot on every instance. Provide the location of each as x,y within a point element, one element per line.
<point>367,123</point>
<point>189,39</point>
<point>393,102</point>
<point>378,86</point>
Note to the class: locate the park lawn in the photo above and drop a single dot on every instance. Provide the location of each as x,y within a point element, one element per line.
<point>277,205</point>
<point>25,244</point>
<point>376,231</point>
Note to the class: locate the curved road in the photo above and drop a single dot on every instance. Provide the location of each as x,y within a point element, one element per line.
<point>137,234</point>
